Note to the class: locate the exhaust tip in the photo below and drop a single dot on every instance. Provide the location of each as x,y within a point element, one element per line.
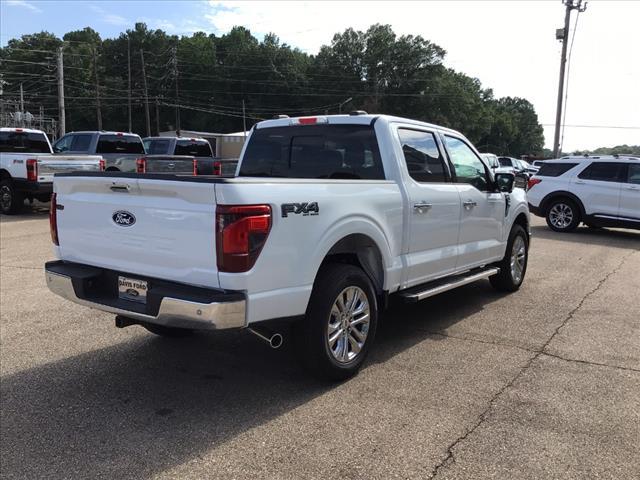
<point>275,341</point>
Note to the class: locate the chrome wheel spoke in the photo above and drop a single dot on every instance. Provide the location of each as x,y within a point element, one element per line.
<point>348,324</point>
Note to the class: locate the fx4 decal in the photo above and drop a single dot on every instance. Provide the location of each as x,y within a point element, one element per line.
<point>306,208</point>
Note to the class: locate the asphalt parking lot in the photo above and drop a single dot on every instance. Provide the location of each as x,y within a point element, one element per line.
<point>543,383</point>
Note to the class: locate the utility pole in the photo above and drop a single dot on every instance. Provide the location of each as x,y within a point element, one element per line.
<point>244,120</point>
<point>563,36</point>
<point>175,75</point>
<point>21,106</point>
<point>129,79</point>
<point>157,117</point>
<point>61,119</point>
<point>146,96</point>
<point>95,70</point>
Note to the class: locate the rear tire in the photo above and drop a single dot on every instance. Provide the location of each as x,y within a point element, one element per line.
<point>563,215</point>
<point>167,332</point>
<point>335,337</point>
<point>11,201</point>
<point>513,266</point>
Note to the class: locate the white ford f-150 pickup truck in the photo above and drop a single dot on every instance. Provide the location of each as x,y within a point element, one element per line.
<point>27,167</point>
<point>326,218</point>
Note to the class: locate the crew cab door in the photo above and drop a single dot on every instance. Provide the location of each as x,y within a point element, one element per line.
<point>434,207</point>
<point>630,194</point>
<point>598,187</point>
<point>483,211</point>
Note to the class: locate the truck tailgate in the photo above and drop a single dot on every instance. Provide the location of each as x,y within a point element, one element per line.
<point>49,165</point>
<point>141,226</point>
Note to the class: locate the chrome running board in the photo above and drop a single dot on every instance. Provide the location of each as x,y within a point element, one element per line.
<point>426,290</point>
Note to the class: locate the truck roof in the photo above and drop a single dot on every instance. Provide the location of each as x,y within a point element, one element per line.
<point>600,158</point>
<point>200,139</point>
<point>20,129</point>
<point>106,132</point>
<point>359,119</point>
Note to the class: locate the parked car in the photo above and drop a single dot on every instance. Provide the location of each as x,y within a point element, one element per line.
<point>27,167</point>
<point>329,217</point>
<point>199,148</point>
<point>491,159</point>
<point>601,191</point>
<point>119,150</point>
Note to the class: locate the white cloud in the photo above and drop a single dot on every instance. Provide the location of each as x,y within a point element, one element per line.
<point>23,4</point>
<point>110,18</point>
<point>509,46</point>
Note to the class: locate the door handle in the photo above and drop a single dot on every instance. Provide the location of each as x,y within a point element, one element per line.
<point>579,182</point>
<point>119,187</point>
<point>469,204</point>
<point>421,207</point>
<point>633,187</point>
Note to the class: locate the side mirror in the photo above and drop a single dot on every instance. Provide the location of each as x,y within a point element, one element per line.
<point>505,182</point>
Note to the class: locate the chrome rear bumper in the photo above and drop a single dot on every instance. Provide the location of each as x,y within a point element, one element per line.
<point>173,312</point>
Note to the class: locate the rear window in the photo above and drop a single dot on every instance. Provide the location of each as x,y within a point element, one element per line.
<point>505,162</point>
<point>119,144</point>
<point>23,142</point>
<point>554,169</point>
<point>156,147</point>
<point>314,151</point>
<point>193,147</point>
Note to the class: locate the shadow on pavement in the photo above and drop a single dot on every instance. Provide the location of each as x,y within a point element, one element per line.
<point>34,211</point>
<point>605,237</point>
<point>135,409</point>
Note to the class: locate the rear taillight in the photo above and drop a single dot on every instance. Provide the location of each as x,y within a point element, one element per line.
<point>241,232</point>
<point>195,167</point>
<point>53,220</point>
<point>217,168</point>
<point>32,170</point>
<point>533,181</point>
<point>102,164</point>
<point>141,165</point>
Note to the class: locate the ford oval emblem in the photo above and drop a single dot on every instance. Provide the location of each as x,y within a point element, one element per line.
<point>124,218</point>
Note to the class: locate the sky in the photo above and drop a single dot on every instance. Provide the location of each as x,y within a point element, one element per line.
<point>509,46</point>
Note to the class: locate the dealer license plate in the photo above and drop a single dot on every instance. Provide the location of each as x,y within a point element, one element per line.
<point>132,289</point>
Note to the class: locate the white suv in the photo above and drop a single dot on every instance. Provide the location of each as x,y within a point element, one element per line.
<point>599,191</point>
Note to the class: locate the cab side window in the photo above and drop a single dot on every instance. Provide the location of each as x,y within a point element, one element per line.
<point>603,172</point>
<point>468,167</point>
<point>63,145</point>
<point>422,156</point>
<point>634,174</point>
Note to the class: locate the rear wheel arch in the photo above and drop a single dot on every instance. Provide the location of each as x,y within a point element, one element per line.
<point>550,198</point>
<point>4,174</point>
<point>361,251</point>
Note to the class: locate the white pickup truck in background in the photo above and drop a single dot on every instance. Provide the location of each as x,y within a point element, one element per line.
<point>27,167</point>
<point>328,217</point>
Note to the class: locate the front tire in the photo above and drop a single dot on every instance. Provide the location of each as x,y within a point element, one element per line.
<point>11,201</point>
<point>563,215</point>
<point>339,327</point>
<point>513,266</point>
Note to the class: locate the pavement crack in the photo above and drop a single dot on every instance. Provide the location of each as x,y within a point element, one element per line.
<point>571,314</point>
<point>587,362</point>
<point>21,267</point>
<point>449,456</point>
<point>479,340</point>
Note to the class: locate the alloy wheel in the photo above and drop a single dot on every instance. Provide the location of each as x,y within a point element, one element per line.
<point>348,324</point>
<point>561,215</point>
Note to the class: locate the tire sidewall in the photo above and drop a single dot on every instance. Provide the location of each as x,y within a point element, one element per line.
<point>517,231</point>
<point>319,311</point>
<point>15,198</point>
<point>574,209</point>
